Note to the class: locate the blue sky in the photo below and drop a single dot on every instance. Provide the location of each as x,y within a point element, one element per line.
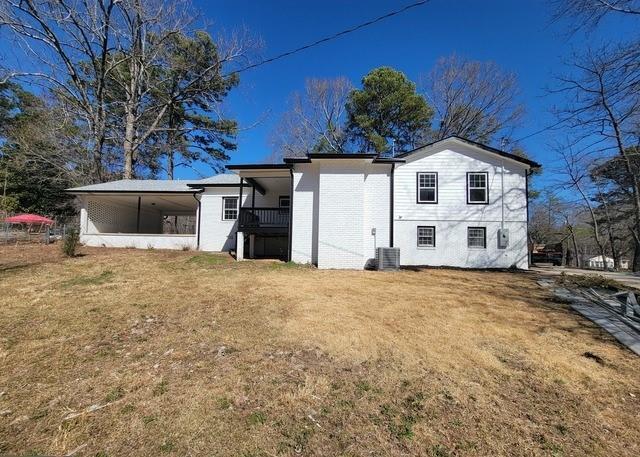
<point>518,35</point>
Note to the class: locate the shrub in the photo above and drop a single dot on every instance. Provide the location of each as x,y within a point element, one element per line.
<point>70,243</point>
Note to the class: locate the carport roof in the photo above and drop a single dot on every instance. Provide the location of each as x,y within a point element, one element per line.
<point>157,185</point>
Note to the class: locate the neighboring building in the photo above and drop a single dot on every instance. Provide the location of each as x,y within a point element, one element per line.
<point>444,204</point>
<point>597,263</point>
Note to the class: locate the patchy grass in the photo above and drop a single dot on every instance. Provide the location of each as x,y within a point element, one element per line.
<point>90,280</point>
<point>207,260</point>
<point>214,357</point>
<point>590,281</point>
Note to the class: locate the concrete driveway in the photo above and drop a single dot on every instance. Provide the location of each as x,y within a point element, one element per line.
<point>627,278</point>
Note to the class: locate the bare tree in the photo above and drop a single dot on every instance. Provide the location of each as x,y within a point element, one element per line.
<point>475,100</point>
<point>587,14</point>
<point>603,111</point>
<point>315,119</point>
<point>575,170</point>
<point>104,60</point>
<point>69,41</point>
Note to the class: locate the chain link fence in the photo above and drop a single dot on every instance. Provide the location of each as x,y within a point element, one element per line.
<point>36,233</point>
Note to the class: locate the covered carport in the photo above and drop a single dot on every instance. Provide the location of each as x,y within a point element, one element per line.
<point>141,214</point>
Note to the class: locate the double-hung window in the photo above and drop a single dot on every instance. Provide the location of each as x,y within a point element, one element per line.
<point>477,237</point>
<point>426,236</point>
<point>427,187</point>
<point>478,188</point>
<point>229,208</point>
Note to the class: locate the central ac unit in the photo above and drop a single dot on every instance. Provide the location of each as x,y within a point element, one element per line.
<point>388,258</point>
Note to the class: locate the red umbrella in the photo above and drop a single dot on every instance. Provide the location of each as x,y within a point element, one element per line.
<point>28,219</point>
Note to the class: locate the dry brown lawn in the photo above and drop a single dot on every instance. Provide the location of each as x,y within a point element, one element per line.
<point>151,353</point>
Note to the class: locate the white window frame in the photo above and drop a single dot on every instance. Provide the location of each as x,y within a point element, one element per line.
<point>225,209</point>
<point>484,237</point>
<point>485,188</point>
<point>432,236</point>
<point>434,187</point>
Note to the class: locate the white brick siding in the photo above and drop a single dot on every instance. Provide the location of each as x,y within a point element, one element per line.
<point>341,214</point>
<point>336,203</point>
<point>304,236</point>
<point>217,234</point>
<point>377,187</point>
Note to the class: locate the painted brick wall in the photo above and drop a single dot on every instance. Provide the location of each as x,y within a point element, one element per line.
<point>305,209</point>
<point>336,203</point>
<point>341,214</point>
<point>376,208</point>
<point>217,234</point>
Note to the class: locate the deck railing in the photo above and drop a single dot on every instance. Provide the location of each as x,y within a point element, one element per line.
<point>263,218</point>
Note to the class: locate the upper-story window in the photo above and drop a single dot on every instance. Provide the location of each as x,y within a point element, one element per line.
<point>229,208</point>
<point>427,187</point>
<point>478,188</point>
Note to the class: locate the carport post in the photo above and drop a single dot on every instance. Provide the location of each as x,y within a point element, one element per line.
<point>138,216</point>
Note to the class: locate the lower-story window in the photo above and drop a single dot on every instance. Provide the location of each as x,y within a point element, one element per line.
<point>426,236</point>
<point>477,237</point>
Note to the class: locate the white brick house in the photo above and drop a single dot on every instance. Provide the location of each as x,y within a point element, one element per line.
<point>443,204</point>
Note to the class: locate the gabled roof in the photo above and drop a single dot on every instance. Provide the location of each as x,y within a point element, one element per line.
<point>158,186</point>
<point>484,147</point>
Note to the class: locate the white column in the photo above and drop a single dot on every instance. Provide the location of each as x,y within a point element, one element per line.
<point>84,218</point>
<point>240,246</point>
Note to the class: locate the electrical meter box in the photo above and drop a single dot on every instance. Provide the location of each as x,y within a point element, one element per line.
<point>503,238</point>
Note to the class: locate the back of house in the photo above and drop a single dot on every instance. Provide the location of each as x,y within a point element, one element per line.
<point>451,203</point>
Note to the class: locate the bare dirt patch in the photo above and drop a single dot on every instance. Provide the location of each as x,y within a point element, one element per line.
<point>125,352</point>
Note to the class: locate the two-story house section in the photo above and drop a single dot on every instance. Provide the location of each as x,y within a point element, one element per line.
<point>462,204</point>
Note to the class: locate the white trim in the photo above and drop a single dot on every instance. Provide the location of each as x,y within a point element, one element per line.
<point>224,208</point>
<point>485,175</point>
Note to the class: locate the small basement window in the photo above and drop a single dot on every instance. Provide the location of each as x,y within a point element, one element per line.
<point>427,187</point>
<point>478,188</point>
<point>477,237</point>
<point>229,208</point>
<point>426,237</point>
<point>284,202</point>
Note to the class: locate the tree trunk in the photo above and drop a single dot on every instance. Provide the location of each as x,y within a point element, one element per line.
<point>614,250</point>
<point>636,252</point>
<point>170,146</point>
<point>576,254</point>
<point>574,243</point>
<point>129,134</point>
<point>635,187</point>
<point>594,220</point>
<point>133,94</point>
